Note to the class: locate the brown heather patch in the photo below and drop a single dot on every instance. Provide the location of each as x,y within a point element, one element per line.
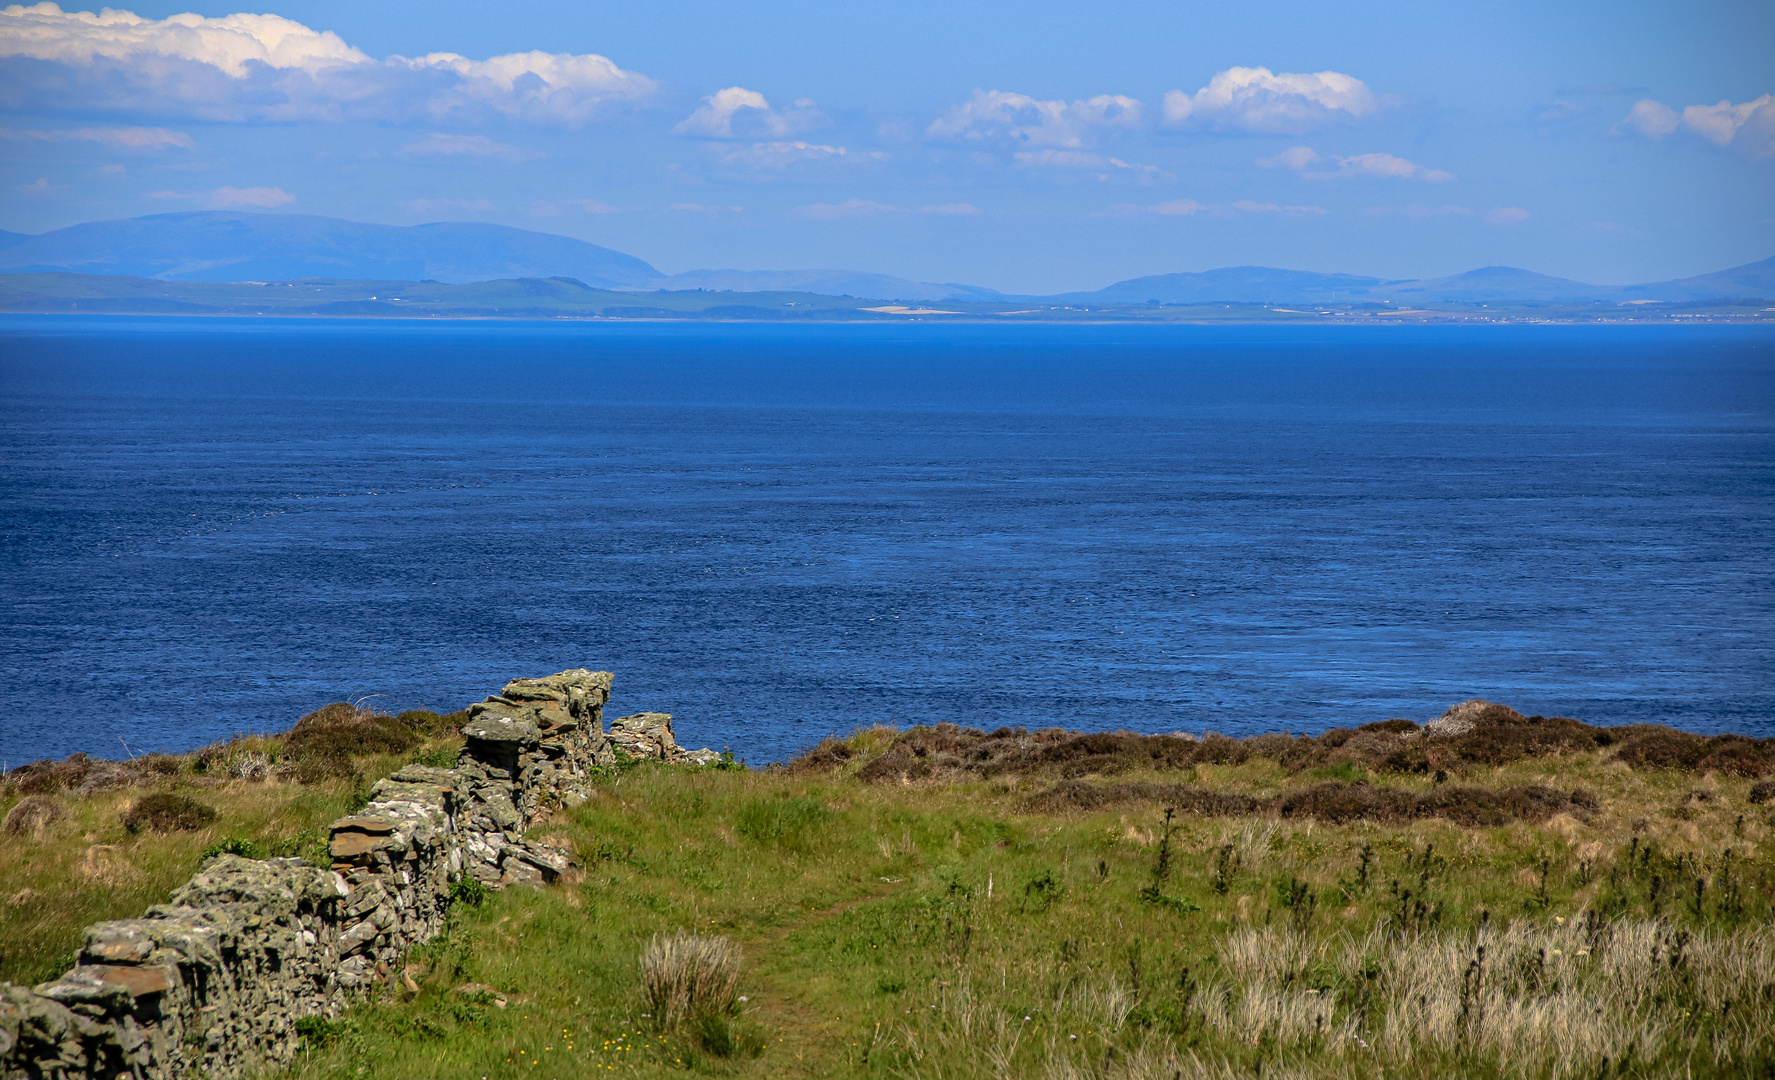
<point>1487,735</point>
<point>168,811</point>
<point>1333,802</point>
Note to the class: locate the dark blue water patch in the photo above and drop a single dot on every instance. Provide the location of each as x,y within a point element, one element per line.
<point>777,532</point>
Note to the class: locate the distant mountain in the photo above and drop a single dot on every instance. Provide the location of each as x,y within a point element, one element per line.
<point>1494,284</point>
<point>1755,279</point>
<point>1235,284</point>
<point>230,246</point>
<point>824,282</point>
<point>7,239</point>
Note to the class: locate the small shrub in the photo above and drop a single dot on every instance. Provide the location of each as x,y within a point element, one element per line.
<point>234,845</point>
<point>1218,749</point>
<point>687,976</point>
<point>1762,793</point>
<point>318,1031</point>
<point>1395,726</point>
<point>33,814</point>
<point>469,892</point>
<point>438,757</point>
<point>48,777</point>
<point>1274,746</point>
<point>343,731</point>
<point>1662,748</point>
<point>168,811</point>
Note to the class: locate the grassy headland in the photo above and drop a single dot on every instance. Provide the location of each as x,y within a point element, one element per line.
<point>1531,898</point>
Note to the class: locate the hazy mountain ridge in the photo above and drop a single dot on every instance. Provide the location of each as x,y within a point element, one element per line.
<point>229,246</point>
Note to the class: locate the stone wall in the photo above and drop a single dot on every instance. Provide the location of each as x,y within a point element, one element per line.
<point>214,980</point>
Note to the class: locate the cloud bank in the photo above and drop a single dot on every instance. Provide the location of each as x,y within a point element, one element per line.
<point>247,67</point>
<point>1258,99</point>
<point>738,113</point>
<point>998,119</point>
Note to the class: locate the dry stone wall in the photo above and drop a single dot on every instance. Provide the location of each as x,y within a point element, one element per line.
<point>213,981</point>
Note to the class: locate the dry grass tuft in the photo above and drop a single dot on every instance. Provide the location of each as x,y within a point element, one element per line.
<point>33,816</point>
<point>684,976</point>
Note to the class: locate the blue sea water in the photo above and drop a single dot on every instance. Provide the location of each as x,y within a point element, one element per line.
<point>775,532</point>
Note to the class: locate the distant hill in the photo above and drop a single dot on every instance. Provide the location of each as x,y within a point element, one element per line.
<point>7,239</point>
<point>1495,284</point>
<point>231,246</point>
<point>1234,284</point>
<point>824,282</point>
<point>1755,279</point>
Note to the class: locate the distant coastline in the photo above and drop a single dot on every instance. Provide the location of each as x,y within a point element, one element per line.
<point>568,299</point>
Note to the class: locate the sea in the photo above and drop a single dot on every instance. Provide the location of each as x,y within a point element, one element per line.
<point>778,532</point>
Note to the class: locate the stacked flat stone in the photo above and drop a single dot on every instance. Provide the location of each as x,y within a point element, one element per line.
<point>213,981</point>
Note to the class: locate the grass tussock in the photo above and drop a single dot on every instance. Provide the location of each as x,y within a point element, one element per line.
<point>686,976</point>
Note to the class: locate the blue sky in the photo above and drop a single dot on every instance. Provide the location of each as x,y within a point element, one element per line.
<point>1031,147</point>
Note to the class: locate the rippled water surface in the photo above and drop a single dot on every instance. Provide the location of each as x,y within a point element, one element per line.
<point>776,532</point>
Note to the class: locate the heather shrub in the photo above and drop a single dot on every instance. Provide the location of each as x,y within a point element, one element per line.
<point>1662,748</point>
<point>167,811</point>
<point>48,777</point>
<point>341,730</point>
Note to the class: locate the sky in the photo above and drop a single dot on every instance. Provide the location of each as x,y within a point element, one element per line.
<point>1031,147</point>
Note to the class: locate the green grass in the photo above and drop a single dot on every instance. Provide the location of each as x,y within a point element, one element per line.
<point>939,930</point>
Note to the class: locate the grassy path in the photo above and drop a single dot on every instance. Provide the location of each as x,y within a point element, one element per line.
<point>808,1037</point>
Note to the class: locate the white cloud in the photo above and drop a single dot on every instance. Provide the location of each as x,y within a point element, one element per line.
<point>1257,99</point>
<point>127,138</point>
<point>1721,123</point>
<point>593,206</point>
<point>787,154</point>
<point>1653,119</point>
<point>1383,165</point>
<point>1176,208</point>
<point>998,118</point>
<point>699,208</point>
<point>721,111</point>
<point>467,146</point>
<point>1295,157</point>
<point>265,67</point>
<point>41,186</point>
<point>227,198</point>
<point>1506,215</point>
<point>1749,125</point>
<point>1250,207</point>
<point>870,208</point>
